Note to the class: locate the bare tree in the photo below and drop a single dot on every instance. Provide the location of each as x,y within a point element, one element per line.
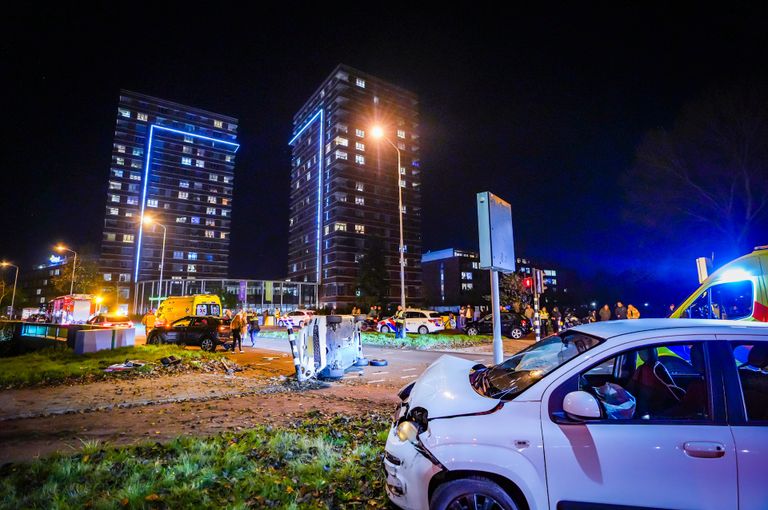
<point>709,173</point>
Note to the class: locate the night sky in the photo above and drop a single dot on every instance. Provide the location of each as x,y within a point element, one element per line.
<point>542,108</point>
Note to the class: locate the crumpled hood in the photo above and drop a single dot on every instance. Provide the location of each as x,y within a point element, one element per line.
<point>444,390</point>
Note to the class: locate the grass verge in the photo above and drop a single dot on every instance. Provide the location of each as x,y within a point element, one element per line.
<point>320,461</point>
<point>413,341</point>
<point>58,365</point>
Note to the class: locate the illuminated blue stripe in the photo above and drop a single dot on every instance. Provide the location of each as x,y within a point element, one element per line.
<point>321,114</point>
<point>146,180</point>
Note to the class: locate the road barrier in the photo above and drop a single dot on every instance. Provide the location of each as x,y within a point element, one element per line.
<point>17,337</point>
<point>100,339</point>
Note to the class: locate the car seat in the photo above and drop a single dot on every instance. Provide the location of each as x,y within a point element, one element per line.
<point>694,403</point>
<point>754,382</point>
<point>653,386</point>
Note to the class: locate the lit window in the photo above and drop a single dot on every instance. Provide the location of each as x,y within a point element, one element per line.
<point>360,200</point>
<point>120,148</point>
<point>402,170</point>
<point>183,184</point>
<point>107,277</point>
<point>178,254</point>
<point>124,113</point>
<point>199,163</point>
<point>114,211</point>
<point>127,238</point>
<point>117,173</point>
<point>359,159</point>
<point>223,235</point>
<point>340,226</point>
<point>188,139</point>
<point>120,161</point>
<point>225,212</point>
<point>211,200</point>
<point>375,99</point>
<point>360,229</point>
<point>141,116</point>
<point>466,286</point>
<point>183,195</point>
<point>186,149</point>
<point>109,236</point>
<point>210,210</point>
<point>132,200</point>
<point>135,176</point>
<point>404,209</point>
<point>227,179</point>
<point>191,268</point>
<point>209,233</point>
<point>115,198</point>
<point>402,183</point>
<point>342,128</point>
<point>466,275</point>
<point>137,152</point>
<point>181,219</point>
<point>152,202</point>
<point>135,163</point>
<point>218,124</point>
<point>359,186</point>
<point>129,214</point>
<point>360,146</point>
<point>224,201</point>
<point>228,158</point>
<point>186,161</point>
<point>124,277</point>
<point>401,146</point>
<point>360,133</point>
<point>341,155</point>
<point>475,265</point>
<point>400,133</point>
<point>360,82</point>
<point>192,255</point>
<point>327,229</point>
<point>341,197</point>
<point>213,177</point>
<point>114,185</point>
<point>195,220</point>
<point>341,141</point>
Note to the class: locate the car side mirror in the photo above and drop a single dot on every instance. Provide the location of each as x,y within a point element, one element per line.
<point>581,405</point>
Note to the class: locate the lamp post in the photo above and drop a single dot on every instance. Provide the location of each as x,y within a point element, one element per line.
<point>378,133</point>
<point>62,248</point>
<point>15,279</point>
<point>148,220</point>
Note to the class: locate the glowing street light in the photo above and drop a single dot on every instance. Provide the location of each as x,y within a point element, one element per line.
<point>15,279</point>
<point>149,220</point>
<point>61,248</point>
<point>378,133</point>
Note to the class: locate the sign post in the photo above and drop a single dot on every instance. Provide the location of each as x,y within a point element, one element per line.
<point>497,253</point>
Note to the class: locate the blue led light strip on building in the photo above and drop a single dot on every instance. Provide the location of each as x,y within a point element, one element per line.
<point>320,114</point>
<point>146,178</point>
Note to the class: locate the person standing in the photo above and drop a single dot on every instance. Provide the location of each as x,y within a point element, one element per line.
<point>557,320</point>
<point>620,311</point>
<point>149,321</point>
<point>253,327</point>
<point>632,312</point>
<point>529,313</point>
<point>605,313</point>
<point>544,318</point>
<point>400,322</point>
<point>460,319</point>
<point>236,326</point>
<point>468,315</point>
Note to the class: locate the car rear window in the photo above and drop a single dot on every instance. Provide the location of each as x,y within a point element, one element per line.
<point>434,315</point>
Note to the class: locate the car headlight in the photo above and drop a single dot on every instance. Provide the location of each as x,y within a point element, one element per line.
<point>407,431</point>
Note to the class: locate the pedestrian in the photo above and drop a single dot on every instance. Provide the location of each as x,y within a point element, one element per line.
<point>620,312</point>
<point>277,317</point>
<point>476,313</point>
<point>149,321</point>
<point>400,322</point>
<point>605,313</point>
<point>557,320</point>
<point>671,310</point>
<point>528,312</point>
<point>632,312</point>
<point>592,317</point>
<point>544,319</point>
<point>236,326</point>
<point>451,320</point>
<point>462,314</point>
<point>372,314</point>
<point>253,327</point>
<point>468,315</point>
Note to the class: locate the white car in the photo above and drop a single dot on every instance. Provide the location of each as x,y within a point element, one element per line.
<point>632,414</point>
<point>297,317</point>
<point>416,321</point>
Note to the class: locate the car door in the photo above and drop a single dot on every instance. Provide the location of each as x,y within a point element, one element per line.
<point>412,321</point>
<point>746,374</point>
<point>178,331</point>
<point>667,449</point>
<point>196,329</point>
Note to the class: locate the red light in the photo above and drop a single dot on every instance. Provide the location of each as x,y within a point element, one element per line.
<point>527,283</point>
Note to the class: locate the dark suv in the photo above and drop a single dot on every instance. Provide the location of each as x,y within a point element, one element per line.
<point>207,332</point>
<point>513,325</point>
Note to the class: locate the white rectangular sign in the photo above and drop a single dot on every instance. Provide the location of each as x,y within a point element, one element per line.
<point>494,222</point>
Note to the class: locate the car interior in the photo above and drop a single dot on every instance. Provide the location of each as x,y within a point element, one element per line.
<point>752,363</point>
<point>667,382</point>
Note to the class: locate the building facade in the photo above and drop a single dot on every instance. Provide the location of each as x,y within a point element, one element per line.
<point>37,284</point>
<point>344,186</point>
<point>453,278</point>
<point>174,164</point>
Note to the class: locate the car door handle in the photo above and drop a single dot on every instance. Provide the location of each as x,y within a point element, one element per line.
<point>704,449</point>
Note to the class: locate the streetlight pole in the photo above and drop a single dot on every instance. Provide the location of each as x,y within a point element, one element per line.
<point>15,279</point>
<point>149,221</point>
<point>74,265</point>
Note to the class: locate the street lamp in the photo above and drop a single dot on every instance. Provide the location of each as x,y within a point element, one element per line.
<point>15,279</point>
<point>61,248</point>
<point>378,133</point>
<point>148,220</point>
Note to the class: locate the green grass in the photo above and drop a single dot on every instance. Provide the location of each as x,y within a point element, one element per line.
<point>57,365</point>
<point>413,341</point>
<point>317,462</point>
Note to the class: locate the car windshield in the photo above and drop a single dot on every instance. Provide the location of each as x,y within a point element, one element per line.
<point>117,318</point>
<point>518,373</point>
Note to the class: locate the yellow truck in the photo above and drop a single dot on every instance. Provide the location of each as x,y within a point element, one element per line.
<point>175,307</point>
<point>738,291</point>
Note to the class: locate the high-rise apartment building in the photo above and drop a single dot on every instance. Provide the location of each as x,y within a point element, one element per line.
<point>175,164</point>
<point>344,185</point>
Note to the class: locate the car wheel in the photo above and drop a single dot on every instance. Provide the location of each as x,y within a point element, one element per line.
<point>384,329</point>
<point>516,333</point>
<point>423,330</point>
<point>475,492</point>
<point>472,331</point>
<point>154,339</point>
<point>207,344</point>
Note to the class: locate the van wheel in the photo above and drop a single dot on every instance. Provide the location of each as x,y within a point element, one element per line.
<point>207,344</point>
<point>516,333</point>
<point>472,331</point>
<point>423,330</point>
<point>474,492</point>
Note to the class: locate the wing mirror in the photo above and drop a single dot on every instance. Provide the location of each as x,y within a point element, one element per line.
<point>580,405</point>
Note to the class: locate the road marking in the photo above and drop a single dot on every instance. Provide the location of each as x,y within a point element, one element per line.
<point>408,376</point>
<point>409,369</point>
<point>478,360</point>
<point>379,373</point>
<point>377,380</point>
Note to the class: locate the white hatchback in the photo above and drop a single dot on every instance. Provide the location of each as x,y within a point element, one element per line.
<point>416,321</point>
<point>640,414</point>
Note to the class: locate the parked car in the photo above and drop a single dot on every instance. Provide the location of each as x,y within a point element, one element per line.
<point>36,317</point>
<point>110,321</point>
<point>207,332</point>
<point>416,321</point>
<point>648,413</point>
<point>297,317</point>
<point>513,325</point>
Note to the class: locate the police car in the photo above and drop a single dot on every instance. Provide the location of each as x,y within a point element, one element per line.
<point>297,318</point>
<point>416,321</point>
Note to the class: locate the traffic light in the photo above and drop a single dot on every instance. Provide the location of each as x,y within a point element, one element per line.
<point>528,283</point>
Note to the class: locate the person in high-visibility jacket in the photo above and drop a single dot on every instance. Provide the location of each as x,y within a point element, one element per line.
<point>149,321</point>
<point>400,322</point>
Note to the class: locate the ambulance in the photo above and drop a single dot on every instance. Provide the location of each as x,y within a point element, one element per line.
<point>737,291</point>
<point>176,307</point>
